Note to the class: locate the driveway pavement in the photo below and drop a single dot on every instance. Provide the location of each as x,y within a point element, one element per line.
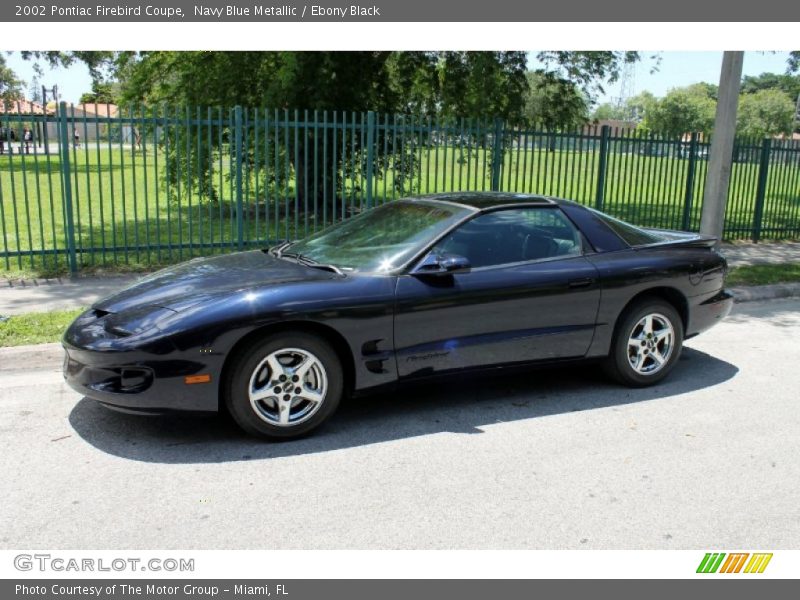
<point>547,459</point>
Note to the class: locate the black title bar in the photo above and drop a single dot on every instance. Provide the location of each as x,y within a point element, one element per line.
<point>406,10</point>
<point>407,589</point>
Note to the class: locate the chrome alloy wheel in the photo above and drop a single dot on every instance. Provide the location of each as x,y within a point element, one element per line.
<point>288,387</point>
<point>650,344</point>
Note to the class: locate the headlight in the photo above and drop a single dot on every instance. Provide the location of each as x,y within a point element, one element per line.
<point>135,321</point>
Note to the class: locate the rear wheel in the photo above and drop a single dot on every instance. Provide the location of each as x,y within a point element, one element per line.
<point>284,386</point>
<point>647,343</point>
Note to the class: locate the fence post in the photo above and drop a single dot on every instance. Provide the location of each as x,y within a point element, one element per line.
<point>370,154</point>
<point>688,197</point>
<point>497,154</point>
<point>602,165</point>
<point>238,134</point>
<point>66,186</point>
<point>761,189</point>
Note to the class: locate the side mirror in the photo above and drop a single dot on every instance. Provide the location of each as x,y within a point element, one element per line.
<point>442,264</point>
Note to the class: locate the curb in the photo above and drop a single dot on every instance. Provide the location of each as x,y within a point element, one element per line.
<point>756,293</point>
<point>44,356</point>
<point>74,279</point>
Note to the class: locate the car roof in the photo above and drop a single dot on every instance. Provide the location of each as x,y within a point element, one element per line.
<point>488,200</point>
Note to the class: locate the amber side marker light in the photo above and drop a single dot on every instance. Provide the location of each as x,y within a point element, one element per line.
<point>204,378</point>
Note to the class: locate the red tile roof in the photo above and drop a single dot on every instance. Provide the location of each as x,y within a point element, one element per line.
<point>22,107</point>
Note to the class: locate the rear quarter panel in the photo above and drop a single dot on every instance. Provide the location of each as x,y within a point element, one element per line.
<point>697,274</point>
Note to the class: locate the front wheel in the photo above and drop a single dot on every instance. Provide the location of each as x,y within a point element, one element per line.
<point>284,386</point>
<point>647,343</point>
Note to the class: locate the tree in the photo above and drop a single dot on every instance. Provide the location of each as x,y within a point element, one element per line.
<point>765,113</point>
<point>10,85</point>
<point>554,103</point>
<point>703,88</point>
<point>450,85</point>
<point>635,109</point>
<point>641,105</point>
<point>788,84</point>
<point>682,110</point>
<point>453,84</point>
<point>793,62</point>
<point>96,61</point>
<point>587,70</point>
<point>102,93</point>
<point>35,89</point>
<point>609,112</point>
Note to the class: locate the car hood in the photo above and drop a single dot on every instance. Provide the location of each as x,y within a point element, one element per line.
<point>188,284</point>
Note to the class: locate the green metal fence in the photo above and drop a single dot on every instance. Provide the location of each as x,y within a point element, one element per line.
<point>158,185</point>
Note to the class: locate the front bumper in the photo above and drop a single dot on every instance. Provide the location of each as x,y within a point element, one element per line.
<point>137,381</point>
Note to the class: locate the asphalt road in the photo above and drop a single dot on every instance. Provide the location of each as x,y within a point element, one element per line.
<point>550,459</point>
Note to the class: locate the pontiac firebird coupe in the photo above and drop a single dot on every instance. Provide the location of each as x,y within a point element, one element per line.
<point>415,288</point>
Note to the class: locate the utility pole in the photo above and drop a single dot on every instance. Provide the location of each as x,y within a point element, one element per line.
<point>54,92</point>
<point>720,157</point>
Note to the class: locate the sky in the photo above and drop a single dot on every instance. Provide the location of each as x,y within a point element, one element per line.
<point>676,69</point>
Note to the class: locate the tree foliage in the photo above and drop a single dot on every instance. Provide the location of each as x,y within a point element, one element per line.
<point>765,113</point>
<point>554,103</point>
<point>680,111</point>
<point>10,85</point>
<point>35,89</point>
<point>793,62</point>
<point>587,70</point>
<point>450,86</point>
<point>103,92</point>
<point>765,109</point>
<point>641,105</point>
<point>482,84</point>
<point>609,111</point>
<point>96,61</point>
<point>788,84</point>
<point>634,110</point>
<point>455,84</point>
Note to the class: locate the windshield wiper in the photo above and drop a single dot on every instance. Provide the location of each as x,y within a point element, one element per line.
<point>310,262</point>
<point>277,249</point>
<point>278,252</point>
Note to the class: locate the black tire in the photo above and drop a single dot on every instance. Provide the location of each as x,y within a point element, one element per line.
<point>257,417</point>
<point>618,364</point>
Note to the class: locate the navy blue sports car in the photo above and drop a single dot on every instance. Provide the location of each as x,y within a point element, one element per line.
<point>416,288</point>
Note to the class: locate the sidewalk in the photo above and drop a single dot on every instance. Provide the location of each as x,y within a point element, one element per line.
<point>747,253</point>
<point>62,293</point>
<point>41,295</point>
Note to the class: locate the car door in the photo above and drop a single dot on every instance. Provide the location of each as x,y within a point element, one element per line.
<point>530,295</point>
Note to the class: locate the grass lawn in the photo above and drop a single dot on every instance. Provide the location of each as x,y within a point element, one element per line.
<point>763,274</point>
<point>126,217</point>
<point>36,328</point>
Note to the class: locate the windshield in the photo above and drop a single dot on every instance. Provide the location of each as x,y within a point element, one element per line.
<point>380,239</point>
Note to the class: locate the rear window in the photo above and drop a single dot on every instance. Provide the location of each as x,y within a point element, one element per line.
<point>630,234</point>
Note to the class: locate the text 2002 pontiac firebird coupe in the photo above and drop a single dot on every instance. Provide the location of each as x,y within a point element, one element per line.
<point>415,288</point>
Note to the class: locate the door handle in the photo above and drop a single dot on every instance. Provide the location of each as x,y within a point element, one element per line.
<point>580,283</point>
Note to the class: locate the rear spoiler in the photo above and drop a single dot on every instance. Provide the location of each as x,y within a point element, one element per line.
<point>682,239</point>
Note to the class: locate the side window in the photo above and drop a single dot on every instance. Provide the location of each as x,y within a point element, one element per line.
<point>513,235</point>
